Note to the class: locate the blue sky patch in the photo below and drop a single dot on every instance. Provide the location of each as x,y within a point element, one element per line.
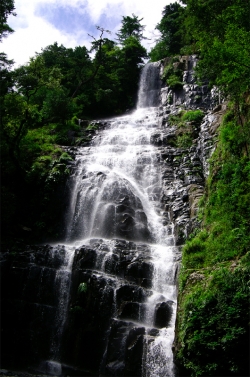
<point>70,20</point>
<point>65,18</point>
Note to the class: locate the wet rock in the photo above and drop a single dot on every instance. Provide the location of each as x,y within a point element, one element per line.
<point>116,349</point>
<point>153,332</point>
<point>84,258</point>
<point>163,313</point>
<point>134,354</point>
<point>129,311</point>
<point>156,139</point>
<point>131,293</point>
<point>140,272</point>
<point>196,276</point>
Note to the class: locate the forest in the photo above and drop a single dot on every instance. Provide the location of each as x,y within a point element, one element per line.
<point>48,103</point>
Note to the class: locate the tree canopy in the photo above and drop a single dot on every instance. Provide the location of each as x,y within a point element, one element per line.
<point>221,31</point>
<point>171,32</point>
<point>131,27</point>
<point>6,8</point>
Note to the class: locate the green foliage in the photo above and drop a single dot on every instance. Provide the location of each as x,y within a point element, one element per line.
<point>174,83</point>
<point>171,29</point>
<point>221,30</point>
<point>77,309</point>
<point>214,326</point>
<point>92,126</point>
<point>175,119</point>
<point>186,132</point>
<point>172,75</point>
<point>131,27</point>
<point>6,8</point>
<point>184,141</point>
<point>213,320</point>
<point>193,116</point>
<point>82,288</point>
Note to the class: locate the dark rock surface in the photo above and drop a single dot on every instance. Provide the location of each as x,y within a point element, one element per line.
<point>163,313</point>
<point>29,302</point>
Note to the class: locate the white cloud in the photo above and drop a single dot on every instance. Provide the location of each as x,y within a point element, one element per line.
<point>33,32</point>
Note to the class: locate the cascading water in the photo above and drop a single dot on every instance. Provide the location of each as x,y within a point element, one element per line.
<point>104,303</point>
<point>61,285</point>
<point>116,189</point>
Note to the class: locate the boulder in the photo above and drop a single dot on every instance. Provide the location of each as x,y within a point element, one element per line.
<point>163,313</point>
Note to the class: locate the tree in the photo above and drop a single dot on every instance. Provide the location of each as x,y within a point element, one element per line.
<point>131,27</point>
<point>96,46</point>
<point>171,29</point>
<point>221,30</point>
<point>6,8</point>
<point>6,82</point>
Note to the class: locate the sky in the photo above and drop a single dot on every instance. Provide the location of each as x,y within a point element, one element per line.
<point>40,23</point>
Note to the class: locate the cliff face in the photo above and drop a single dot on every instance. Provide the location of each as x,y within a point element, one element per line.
<point>185,133</point>
<point>212,328</point>
<point>189,117</point>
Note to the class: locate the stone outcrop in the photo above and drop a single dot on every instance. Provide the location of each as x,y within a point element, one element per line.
<point>185,169</point>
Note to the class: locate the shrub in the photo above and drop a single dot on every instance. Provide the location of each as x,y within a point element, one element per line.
<point>184,140</point>
<point>174,82</point>
<point>82,288</point>
<point>193,116</point>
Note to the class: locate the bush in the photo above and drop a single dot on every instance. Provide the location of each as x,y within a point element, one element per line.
<point>193,116</point>
<point>174,82</point>
<point>172,76</point>
<point>184,140</point>
<point>215,323</point>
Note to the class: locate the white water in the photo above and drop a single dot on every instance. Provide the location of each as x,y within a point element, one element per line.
<point>62,284</point>
<point>158,352</point>
<point>118,179</point>
<point>115,193</point>
<point>122,164</point>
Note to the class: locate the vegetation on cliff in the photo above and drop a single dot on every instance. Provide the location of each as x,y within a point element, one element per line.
<point>45,106</point>
<point>213,317</point>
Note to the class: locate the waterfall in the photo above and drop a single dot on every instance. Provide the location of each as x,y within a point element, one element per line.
<point>103,302</point>
<point>116,205</point>
<point>149,86</point>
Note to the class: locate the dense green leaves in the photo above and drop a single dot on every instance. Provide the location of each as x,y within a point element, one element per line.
<point>6,8</point>
<point>131,27</point>
<point>214,326</point>
<point>171,29</point>
<point>221,30</point>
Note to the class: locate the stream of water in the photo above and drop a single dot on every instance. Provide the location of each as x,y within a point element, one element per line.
<point>115,194</point>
